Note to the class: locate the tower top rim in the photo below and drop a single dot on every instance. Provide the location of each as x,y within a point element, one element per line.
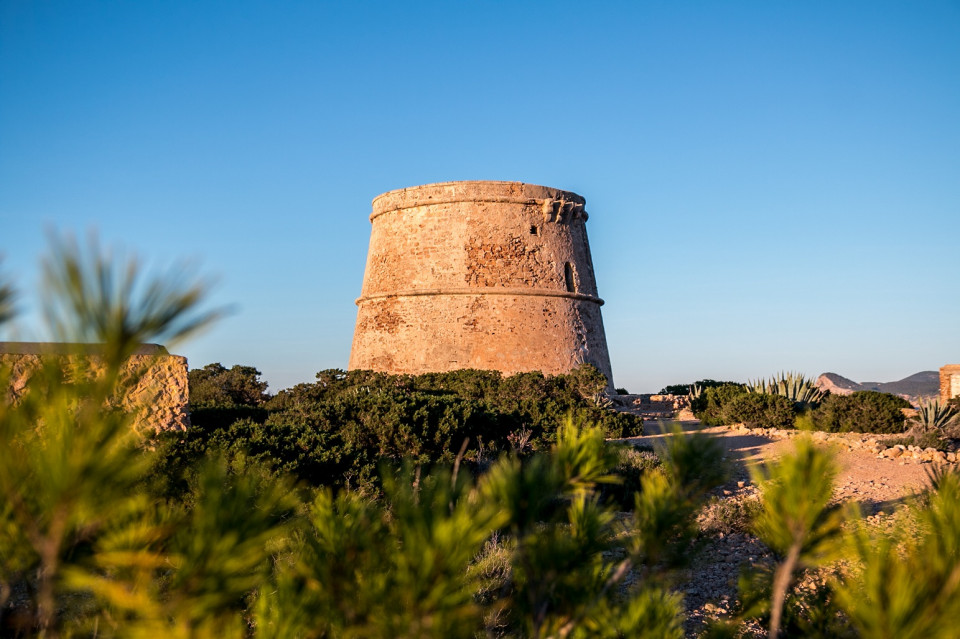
<point>470,191</point>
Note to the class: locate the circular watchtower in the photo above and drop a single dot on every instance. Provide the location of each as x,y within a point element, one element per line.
<point>486,275</point>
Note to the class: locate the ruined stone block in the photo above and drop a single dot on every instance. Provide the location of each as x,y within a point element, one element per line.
<point>949,382</point>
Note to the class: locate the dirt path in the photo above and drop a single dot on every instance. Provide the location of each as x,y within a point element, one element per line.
<point>880,485</point>
<point>875,482</point>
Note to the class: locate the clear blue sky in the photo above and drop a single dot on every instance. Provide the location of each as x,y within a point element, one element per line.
<point>772,185</point>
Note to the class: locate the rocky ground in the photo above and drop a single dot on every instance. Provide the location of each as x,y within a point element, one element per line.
<point>882,479</point>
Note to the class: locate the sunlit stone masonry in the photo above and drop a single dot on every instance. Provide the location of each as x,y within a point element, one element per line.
<point>486,275</point>
<point>154,381</point>
<point>949,382</point>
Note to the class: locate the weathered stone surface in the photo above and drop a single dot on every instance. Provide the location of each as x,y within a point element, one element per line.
<point>155,382</point>
<point>949,382</point>
<point>487,275</point>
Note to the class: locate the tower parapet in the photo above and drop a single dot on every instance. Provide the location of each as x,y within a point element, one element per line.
<point>487,275</point>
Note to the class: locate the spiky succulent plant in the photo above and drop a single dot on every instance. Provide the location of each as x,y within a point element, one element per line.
<point>793,386</point>
<point>934,416</point>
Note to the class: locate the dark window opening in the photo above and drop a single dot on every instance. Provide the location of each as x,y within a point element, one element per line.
<point>568,277</point>
<point>534,230</point>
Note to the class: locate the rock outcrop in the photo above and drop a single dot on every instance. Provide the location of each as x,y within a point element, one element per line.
<point>836,384</point>
<point>154,382</point>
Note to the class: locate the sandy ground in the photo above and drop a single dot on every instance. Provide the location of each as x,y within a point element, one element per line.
<point>877,483</point>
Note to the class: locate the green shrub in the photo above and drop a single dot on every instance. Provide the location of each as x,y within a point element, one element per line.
<point>217,386</point>
<point>342,443</point>
<point>934,416</point>
<point>861,412</point>
<point>708,407</point>
<point>220,396</point>
<point>633,462</point>
<point>801,391</point>
<point>683,389</point>
<point>217,417</point>
<point>728,515</point>
<point>759,411</point>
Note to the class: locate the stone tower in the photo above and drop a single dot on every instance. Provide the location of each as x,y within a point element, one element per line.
<point>486,275</point>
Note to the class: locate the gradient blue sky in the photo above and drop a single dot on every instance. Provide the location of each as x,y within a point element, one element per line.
<point>772,185</point>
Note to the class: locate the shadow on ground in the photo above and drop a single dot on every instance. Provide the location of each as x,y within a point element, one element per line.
<point>742,450</point>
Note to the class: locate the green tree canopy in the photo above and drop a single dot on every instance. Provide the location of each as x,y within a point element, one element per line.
<point>215,386</point>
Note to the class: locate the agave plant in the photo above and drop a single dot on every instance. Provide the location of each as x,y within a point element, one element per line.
<point>696,390</point>
<point>793,386</point>
<point>934,416</point>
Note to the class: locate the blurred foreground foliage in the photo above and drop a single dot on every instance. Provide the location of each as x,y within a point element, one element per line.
<point>94,542</point>
<point>836,574</point>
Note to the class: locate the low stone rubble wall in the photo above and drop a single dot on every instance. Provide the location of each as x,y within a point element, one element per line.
<point>655,406</point>
<point>881,445</point>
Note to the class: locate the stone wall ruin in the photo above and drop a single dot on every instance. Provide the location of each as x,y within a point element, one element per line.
<point>949,382</point>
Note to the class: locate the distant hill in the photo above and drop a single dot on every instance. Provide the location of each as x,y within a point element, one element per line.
<point>922,384</point>
<point>837,384</point>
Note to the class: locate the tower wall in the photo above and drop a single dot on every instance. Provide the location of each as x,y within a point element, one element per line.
<point>487,275</point>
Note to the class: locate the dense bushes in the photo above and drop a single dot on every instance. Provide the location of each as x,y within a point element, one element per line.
<point>731,403</point>
<point>861,412</point>
<point>218,417</point>
<point>708,406</point>
<point>683,389</point>
<point>216,385</point>
<point>220,396</point>
<point>340,429</point>
<point>759,410</point>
